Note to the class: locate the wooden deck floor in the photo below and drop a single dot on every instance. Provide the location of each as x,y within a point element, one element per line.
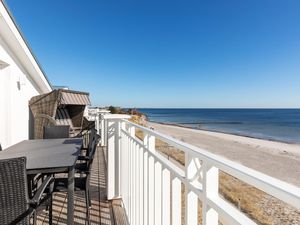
<point>101,211</point>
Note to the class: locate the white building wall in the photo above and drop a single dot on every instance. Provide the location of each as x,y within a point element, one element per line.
<point>16,89</point>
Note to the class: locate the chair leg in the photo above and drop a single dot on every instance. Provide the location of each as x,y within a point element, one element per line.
<point>87,197</point>
<point>50,210</point>
<point>34,218</point>
<point>90,200</point>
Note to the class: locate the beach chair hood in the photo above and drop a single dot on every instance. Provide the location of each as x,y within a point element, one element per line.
<point>59,107</point>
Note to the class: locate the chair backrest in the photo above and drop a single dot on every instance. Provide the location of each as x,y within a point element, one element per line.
<point>92,151</point>
<point>52,132</point>
<point>92,135</point>
<point>13,190</point>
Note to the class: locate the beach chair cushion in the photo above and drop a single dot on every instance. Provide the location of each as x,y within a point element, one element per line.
<point>63,118</point>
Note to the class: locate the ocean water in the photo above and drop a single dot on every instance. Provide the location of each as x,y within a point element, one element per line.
<point>272,124</point>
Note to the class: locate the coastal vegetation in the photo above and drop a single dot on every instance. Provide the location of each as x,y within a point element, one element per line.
<point>130,111</point>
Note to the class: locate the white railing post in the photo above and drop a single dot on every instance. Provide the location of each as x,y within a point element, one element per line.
<point>166,197</point>
<point>192,168</point>
<point>113,136</point>
<point>132,178</point>
<point>97,123</point>
<point>124,164</point>
<point>149,142</point>
<point>145,182</point>
<point>131,130</point>
<point>176,201</point>
<point>157,193</point>
<point>103,129</point>
<point>211,191</point>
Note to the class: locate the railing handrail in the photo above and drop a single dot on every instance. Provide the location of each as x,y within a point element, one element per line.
<point>273,186</point>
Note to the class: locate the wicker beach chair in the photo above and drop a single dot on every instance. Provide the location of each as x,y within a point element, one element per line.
<point>59,107</point>
<point>15,205</point>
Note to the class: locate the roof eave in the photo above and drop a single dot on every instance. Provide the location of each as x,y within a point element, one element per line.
<point>25,54</point>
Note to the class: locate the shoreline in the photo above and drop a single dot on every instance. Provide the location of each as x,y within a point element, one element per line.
<point>277,159</point>
<point>223,132</point>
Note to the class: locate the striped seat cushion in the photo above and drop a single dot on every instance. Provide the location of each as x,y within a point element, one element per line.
<point>63,118</point>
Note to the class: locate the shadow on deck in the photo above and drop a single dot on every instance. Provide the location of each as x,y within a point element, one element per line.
<point>101,211</point>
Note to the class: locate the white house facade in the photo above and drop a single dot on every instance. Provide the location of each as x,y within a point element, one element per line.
<point>21,78</point>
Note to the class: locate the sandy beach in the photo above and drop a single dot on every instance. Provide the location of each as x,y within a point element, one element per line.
<point>277,159</point>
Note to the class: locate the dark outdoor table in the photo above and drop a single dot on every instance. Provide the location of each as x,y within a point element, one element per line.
<point>50,156</point>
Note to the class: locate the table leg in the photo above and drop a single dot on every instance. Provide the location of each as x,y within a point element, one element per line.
<point>70,209</point>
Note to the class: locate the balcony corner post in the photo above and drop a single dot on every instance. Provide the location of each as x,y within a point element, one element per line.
<point>113,141</point>
<point>192,166</point>
<point>210,191</point>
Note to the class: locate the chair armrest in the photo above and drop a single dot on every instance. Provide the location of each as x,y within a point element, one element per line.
<point>49,181</point>
<point>23,216</point>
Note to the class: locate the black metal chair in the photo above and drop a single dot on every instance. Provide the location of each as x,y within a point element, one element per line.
<point>82,183</point>
<point>15,205</point>
<point>53,132</point>
<point>88,138</point>
<point>87,152</point>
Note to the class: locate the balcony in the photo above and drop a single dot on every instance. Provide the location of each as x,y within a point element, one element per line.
<point>135,183</point>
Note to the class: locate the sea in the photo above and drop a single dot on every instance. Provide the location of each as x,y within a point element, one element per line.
<point>271,124</point>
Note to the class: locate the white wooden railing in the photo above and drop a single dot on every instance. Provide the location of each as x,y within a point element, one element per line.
<point>151,186</point>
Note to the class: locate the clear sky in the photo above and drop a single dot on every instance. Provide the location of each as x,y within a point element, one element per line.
<point>136,53</point>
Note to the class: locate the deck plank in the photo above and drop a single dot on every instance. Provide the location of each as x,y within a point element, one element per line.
<point>119,213</point>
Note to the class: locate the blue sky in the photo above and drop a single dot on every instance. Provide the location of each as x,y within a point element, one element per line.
<point>139,53</point>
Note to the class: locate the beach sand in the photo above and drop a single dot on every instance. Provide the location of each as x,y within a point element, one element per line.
<point>277,159</point>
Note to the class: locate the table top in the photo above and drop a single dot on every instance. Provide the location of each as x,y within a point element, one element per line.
<point>46,153</point>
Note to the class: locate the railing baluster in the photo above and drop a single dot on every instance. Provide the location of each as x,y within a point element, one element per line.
<point>210,190</point>
<point>134,185</point>
<point>191,199</point>
<point>122,164</point>
<point>151,147</point>
<point>126,172</point>
<point>141,184</point>
<point>176,201</point>
<point>157,193</point>
<point>165,197</point>
<point>130,181</point>
<point>131,131</point>
<point>137,194</point>
<point>145,177</point>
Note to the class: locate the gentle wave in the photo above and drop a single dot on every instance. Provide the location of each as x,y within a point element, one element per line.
<point>216,122</point>
<point>272,124</point>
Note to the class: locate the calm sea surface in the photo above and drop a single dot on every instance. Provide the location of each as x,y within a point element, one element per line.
<point>274,124</point>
